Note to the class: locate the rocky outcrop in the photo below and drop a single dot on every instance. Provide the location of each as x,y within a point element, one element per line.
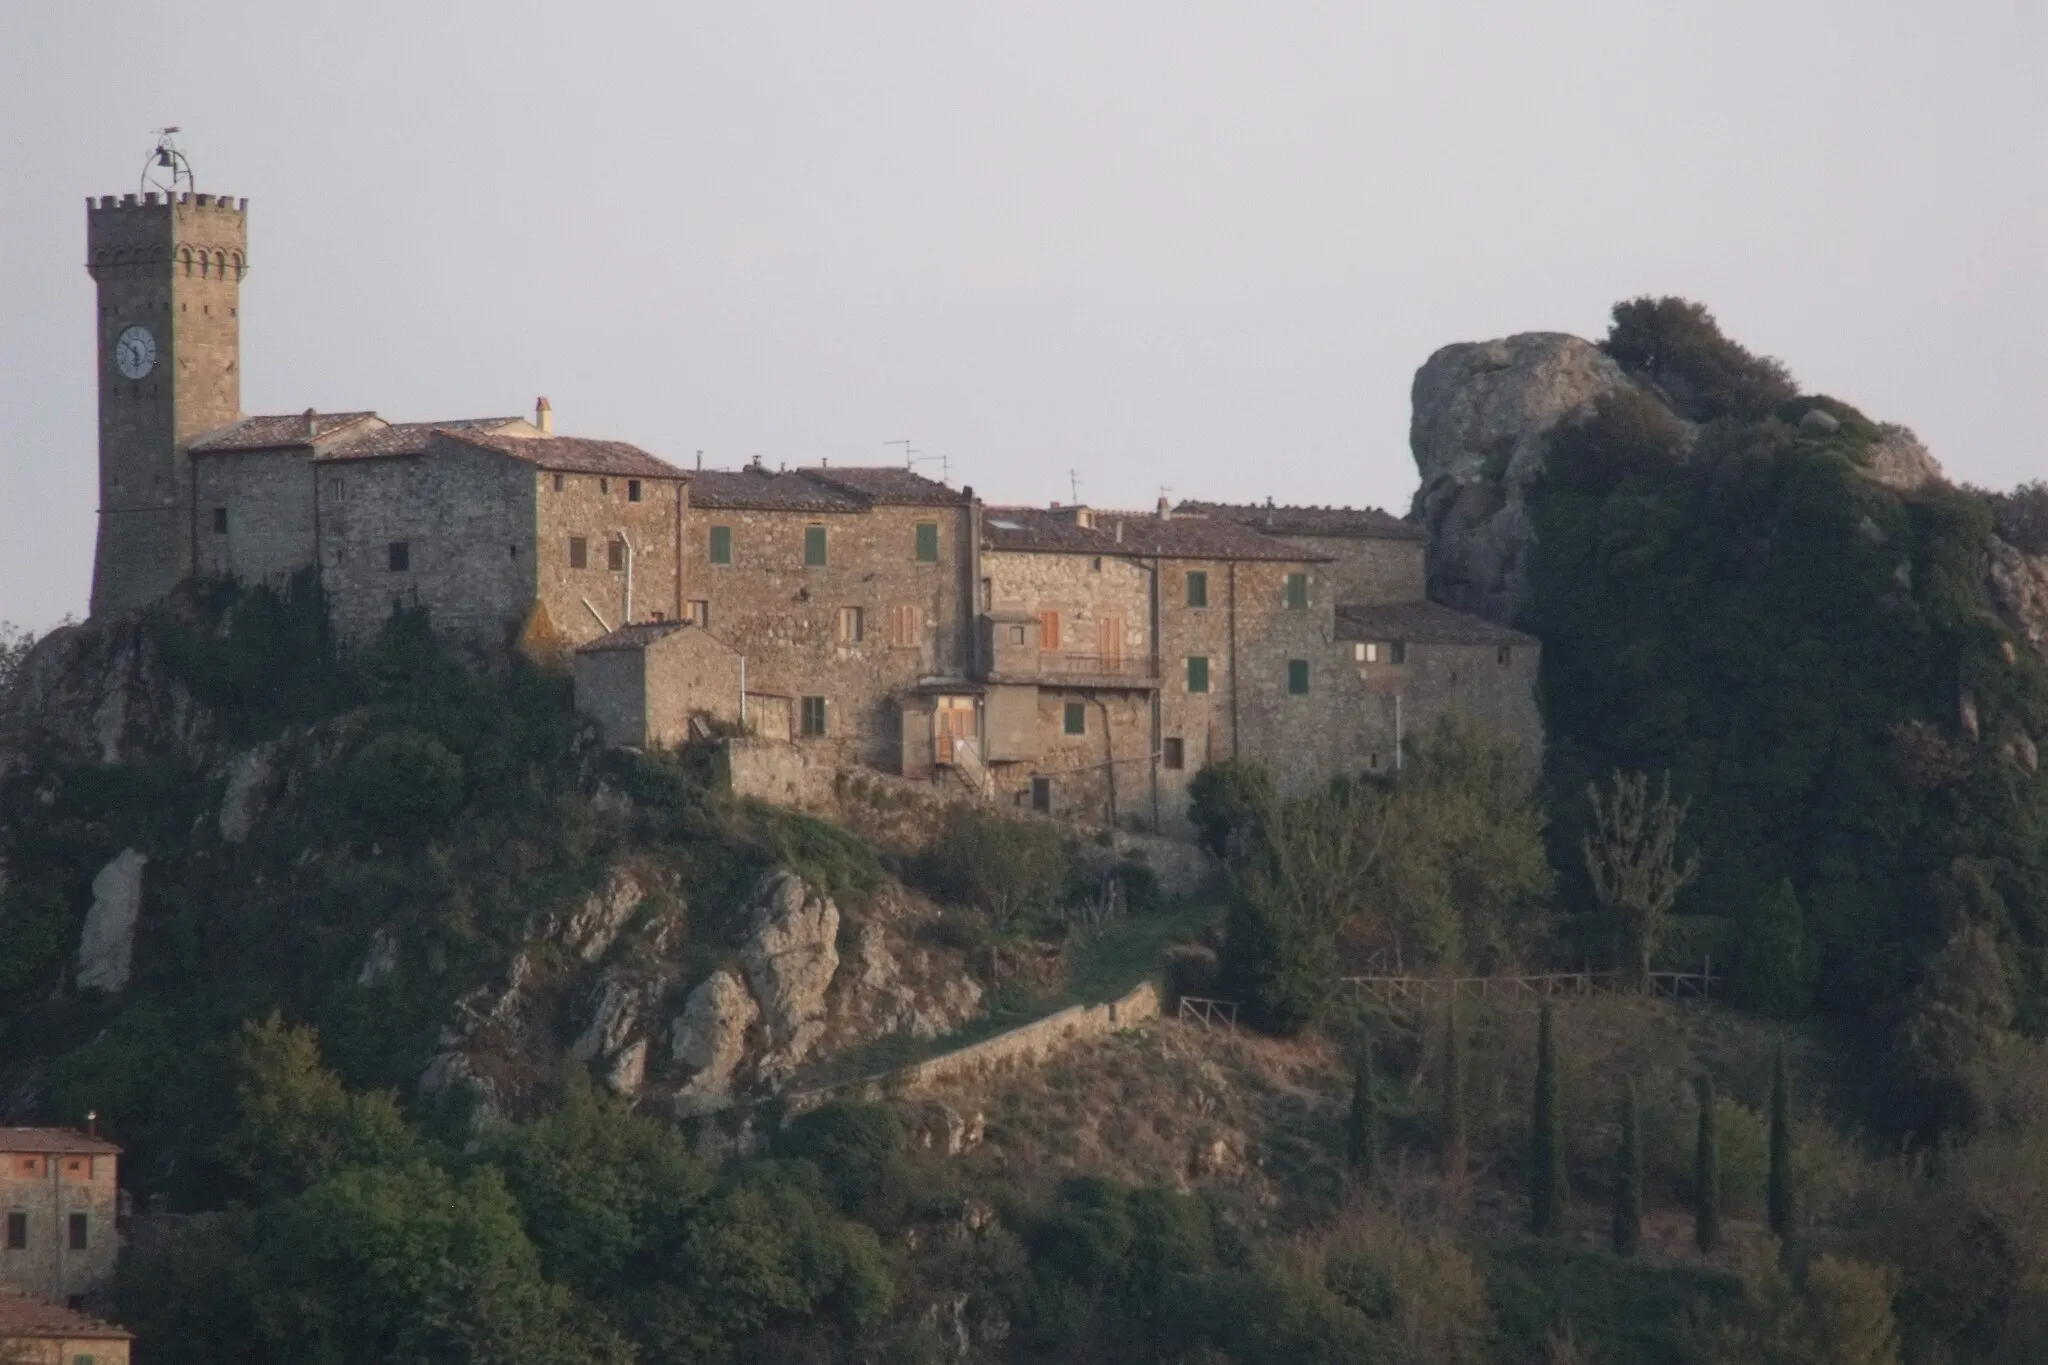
<point>102,693</point>
<point>1898,460</point>
<point>2019,589</point>
<point>790,958</point>
<point>710,1037</point>
<point>592,927</point>
<point>106,948</point>
<point>251,775</point>
<point>1482,418</point>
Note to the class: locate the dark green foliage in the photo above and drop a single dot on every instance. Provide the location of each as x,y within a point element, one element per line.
<point>36,929</point>
<point>1779,1197</point>
<point>296,1123</point>
<point>1628,1176</point>
<point>1635,1312</point>
<point>858,1148</point>
<point>1225,801</point>
<point>2023,517</point>
<point>1000,863</point>
<point>1275,960</point>
<point>1362,1132</point>
<point>1549,1187</point>
<point>1771,975</point>
<point>402,784</point>
<point>1706,1172</point>
<point>1451,1135</point>
<point>1676,345</point>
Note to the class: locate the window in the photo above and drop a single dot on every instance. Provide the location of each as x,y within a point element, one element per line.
<point>17,1232</point>
<point>1076,718</point>
<point>78,1232</point>
<point>1297,591</point>
<point>220,521</point>
<point>927,542</point>
<point>1366,652</point>
<point>632,490</point>
<point>558,483</point>
<point>906,626</point>
<point>579,552</point>
<point>1173,754</point>
<point>81,1360</point>
<point>814,547</point>
<point>1198,588</point>
<point>813,721</point>
<point>1048,630</point>
<point>511,552</point>
<point>1198,673</point>
<point>1372,761</point>
<point>849,625</point>
<point>1297,677</point>
<point>1016,635</point>
<point>604,485</point>
<point>1397,652</point>
<point>1096,567</point>
<point>721,545</point>
<point>1041,795</point>
<point>1504,656</point>
<point>697,612</point>
<point>401,556</point>
<point>615,555</point>
<point>31,1165</point>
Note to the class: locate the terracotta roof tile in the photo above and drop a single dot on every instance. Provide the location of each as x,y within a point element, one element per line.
<point>571,454</point>
<point>408,438</point>
<point>1309,521</point>
<point>767,491</point>
<point>22,1316</point>
<point>1044,532</point>
<point>886,485</point>
<point>284,431</point>
<point>1038,530</point>
<point>49,1140</point>
<point>1426,623</point>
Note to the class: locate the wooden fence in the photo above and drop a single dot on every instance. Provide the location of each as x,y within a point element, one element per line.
<point>1196,1009</point>
<point>1424,990</point>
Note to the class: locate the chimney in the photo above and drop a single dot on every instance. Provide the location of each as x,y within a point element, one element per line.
<point>1119,530</point>
<point>92,1123</point>
<point>312,423</point>
<point>544,416</point>
<point>1165,509</point>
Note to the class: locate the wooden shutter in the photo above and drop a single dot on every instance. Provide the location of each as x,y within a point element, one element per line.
<point>1109,643</point>
<point>1048,630</point>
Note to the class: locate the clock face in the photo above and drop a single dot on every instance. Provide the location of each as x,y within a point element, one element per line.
<point>135,352</point>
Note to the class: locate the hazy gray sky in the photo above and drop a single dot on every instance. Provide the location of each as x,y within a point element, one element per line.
<point>1196,245</point>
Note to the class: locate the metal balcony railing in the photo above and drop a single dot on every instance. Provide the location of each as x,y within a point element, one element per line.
<point>1131,667</point>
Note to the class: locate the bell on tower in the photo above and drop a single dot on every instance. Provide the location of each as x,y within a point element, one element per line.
<point>168,263</point>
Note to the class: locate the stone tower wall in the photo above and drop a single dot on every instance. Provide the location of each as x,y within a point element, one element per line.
<point>174,267</point>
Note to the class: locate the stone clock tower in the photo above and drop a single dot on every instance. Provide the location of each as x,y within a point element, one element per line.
<point>169,274</point>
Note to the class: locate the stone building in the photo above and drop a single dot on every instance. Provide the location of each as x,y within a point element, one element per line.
<point>646,684</point>
<point>58,1194</point>
<point>33,1332</point>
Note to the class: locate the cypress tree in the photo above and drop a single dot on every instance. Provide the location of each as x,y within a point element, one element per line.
<point>1549,1188</point>
<point>1454,1095</point>
<point>1781,1207</point>
<point>1628,1177</point>
<point>1362,1139</point>
<point>1706,1174</point>
<point>1771,973</point>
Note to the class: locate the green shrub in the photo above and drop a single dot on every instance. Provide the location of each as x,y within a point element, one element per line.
<point>858,1148</point>
<point>1225,801</point>
<point>1676,345</point>
<point>402,784</point>
<point>998,863</point>
<point>35,932</point>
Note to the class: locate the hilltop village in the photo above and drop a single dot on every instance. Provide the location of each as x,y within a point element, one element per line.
<point>1075,661</point>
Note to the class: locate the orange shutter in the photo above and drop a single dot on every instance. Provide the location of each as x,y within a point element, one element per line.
<point>1048,630</point>
<point>1109,642</point>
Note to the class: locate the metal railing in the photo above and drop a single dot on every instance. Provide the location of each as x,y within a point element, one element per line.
<point>1405,990</point>
<point>1196,1009</point>
<point>1136,667</point>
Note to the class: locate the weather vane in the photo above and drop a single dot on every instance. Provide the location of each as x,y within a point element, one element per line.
<point>167,169</point>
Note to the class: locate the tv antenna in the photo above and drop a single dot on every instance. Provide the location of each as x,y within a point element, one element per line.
<point>167,168</point>
<point>909,450</point>
<point>1074,485</point>
<point>945,469</point>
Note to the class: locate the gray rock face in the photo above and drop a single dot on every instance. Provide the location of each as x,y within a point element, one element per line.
<point>594,925</point>
<point>711,1037</point>
<point>106,948</point>
<point>381,960</point>
<point>2019,589</point>
<point>790,959</point>
<point>250,775</point>
<point>1899,461</point>
<point>1483,414</point>
<point>614,1015</point>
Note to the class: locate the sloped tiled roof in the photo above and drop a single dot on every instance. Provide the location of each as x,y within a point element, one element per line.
<point>24,1317</point>
<point>51,1140</point>
<point>886,485</point>
<point>409,438</point>
<point>1038,530</point>
<point>1427,623</point>
<point>765,490</point>
<point>639,635</point>
<point>572,454</point>
<point>282,431</point>
<point>1309,521</point>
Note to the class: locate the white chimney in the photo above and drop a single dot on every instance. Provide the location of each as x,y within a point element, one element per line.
<point>544,416</point>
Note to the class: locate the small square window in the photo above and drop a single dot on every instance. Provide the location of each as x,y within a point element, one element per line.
<point>813,717</point>
<point>927,542</point>
<point>511,552</point>
<point>604,485</point>
<point>1372,761</point>
<point>850,625</point>
<point>1297,677</point>
<point>579,552</point>
<point>1097,565</point>
<point>697,612</point>
<point>1297,591</point>
<point>400,556</point>
<point>17,1232</point>
<point>1076,718</point>
<point>1173,754</point>
<point>78,1232</point>
<point>721,545</point>
<point>1198,673</point>
<point>1041,795</point>
<point>220,521</point>
<point>558,483</point>
<point>1198,588</point>
<point>1016,635</point>
<point>1504,656</point>
<point>615,555</point>
<point>814,547</point>
<point>632,490</point>
<point>1397,652</point>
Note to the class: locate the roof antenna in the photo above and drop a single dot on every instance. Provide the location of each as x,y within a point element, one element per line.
<point>167,167</point>
<point>908,451</point>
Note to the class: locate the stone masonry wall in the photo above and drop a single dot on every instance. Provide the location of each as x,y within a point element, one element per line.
<point>49,1188</point>
<point>611,689</point>
<point>268,499</point>
<point>783,617</point>
<point>599,509</point>
<point>1374,569</point>
<point>1291,735</point>
<point>1468,684</point>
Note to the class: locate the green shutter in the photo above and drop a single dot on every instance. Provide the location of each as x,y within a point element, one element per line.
<point>927,542</point>
<point>1198,588</point>
<point>1077,718</point>
<point>1297,591</point>
<point>1297,676</point>
<point>1198,673</point>
<point>721,545</point>
<point>814,547</point>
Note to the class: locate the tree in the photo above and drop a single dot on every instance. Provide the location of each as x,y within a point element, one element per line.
<point>1362,1133</point>
<point>1549,1185</point>
<point>1955,1026</point>
<point>15,643</point>
<point>1780,1189</point>
<point>1628,1176</point>
<point>296,1124</point>
<point>1003,865</point>
<point>1631,854</point>
<point>1454,1096</point>
<point>1225,802</point>
<point>1771,974</point>
<point>1706,1173</point>
<point>1676,345</point>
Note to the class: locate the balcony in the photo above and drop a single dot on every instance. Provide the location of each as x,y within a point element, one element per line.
<point>1057,668</point>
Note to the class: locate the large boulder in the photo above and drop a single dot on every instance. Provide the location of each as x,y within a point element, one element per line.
<point>710,1037</point>
<point>2019,589</point>
<point>790,957</point>
<point>1899,461</point>
<point>106,947</point>
<point>1483,414</point>
<point>250,776</point>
